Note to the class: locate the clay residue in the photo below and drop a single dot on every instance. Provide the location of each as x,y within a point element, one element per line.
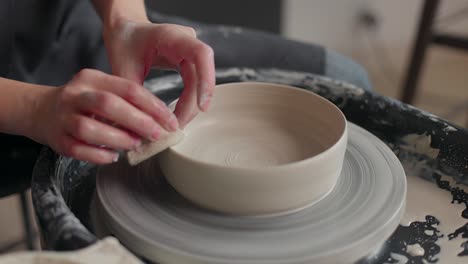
<point>449,129</point>
<point>459,196</point>
<point>236,72</point>
<point>416,243</point>
<point>415,250</point>
<point>462,232</point>
<point>420,144</point>
<point>435,217</point>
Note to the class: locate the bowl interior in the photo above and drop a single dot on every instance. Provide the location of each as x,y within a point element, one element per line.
<point>259,125</point>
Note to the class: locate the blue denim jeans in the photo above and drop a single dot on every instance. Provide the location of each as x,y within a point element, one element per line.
<point>345,69</point>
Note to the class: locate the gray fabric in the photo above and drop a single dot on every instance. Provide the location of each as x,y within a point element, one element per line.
<point>53,40</point>
<point>6,36</point>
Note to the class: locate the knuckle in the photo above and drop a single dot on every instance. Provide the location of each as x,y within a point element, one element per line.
<point>67,152</point>
<point>146,124</point>
<point>84,73</point>
<point>104,102</point>
<point>209,51</point>
<point>125,141</point>
<point>132,92</point>
<point>164,27</point>
<point>67,148</point>
<point>191,31</point>
<point>67,90</point>
<point>81,127</point>
<point>65,99</point>
<point>70,95</point>
<point>204,50</point>
<point>100,158</point>
<point>88,98</point>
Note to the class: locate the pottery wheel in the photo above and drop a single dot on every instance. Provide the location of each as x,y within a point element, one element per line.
<point>360,213</point>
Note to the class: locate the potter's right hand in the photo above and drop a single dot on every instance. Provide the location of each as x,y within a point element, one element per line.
<point>96,114</point>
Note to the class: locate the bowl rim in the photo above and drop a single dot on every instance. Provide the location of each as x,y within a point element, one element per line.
<point>294,164</point>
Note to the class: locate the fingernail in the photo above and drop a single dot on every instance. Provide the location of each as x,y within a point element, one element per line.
<point>116,157</point>
<point>156,132</point>
<point>205,102</point>
<point>203,97</point>
<point>173,123</point>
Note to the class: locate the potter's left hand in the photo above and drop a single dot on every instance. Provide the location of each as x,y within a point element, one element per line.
<point>135,47</point>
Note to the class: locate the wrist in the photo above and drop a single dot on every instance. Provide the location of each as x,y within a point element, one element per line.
<point>117,21</point>
<point>35,115</point>
<point>20,105</point>
<point>118,14</point>
<point>119,26</point>
<point>112,12</point>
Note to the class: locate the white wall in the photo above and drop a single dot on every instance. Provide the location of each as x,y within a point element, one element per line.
<point>333,23</point>
<point>326,22</point>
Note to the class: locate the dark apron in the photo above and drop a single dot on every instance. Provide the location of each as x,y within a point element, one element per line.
<point>44,42</point>
<point>48,41</point>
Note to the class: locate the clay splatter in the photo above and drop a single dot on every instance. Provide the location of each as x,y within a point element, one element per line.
<point>463,231</point>
<point>424,234</point>
<point>458,196</point>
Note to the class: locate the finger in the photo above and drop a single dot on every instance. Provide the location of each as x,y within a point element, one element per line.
<point>204,63</point>
<point>147,61</point>
<point>138,96</point>
<point>186,108</point>
<point>133,67</point>
<point>190,31</point>
<point>72,147</point>
<point>97,133</point>
<point>162,63</point>
<point>132,71</point>
<point>181,47</point>
<point>115,109</point>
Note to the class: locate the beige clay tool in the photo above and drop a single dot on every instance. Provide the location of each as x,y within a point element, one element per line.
<point>150,148</point>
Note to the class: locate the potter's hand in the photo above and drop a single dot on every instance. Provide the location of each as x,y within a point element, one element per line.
<point>135,47</point>
<point>96,114</point>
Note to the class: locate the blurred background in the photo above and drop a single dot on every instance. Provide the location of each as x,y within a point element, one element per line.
<point>379,34</point>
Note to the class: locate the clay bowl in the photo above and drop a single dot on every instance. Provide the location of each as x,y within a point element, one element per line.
<point>261,149</point>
